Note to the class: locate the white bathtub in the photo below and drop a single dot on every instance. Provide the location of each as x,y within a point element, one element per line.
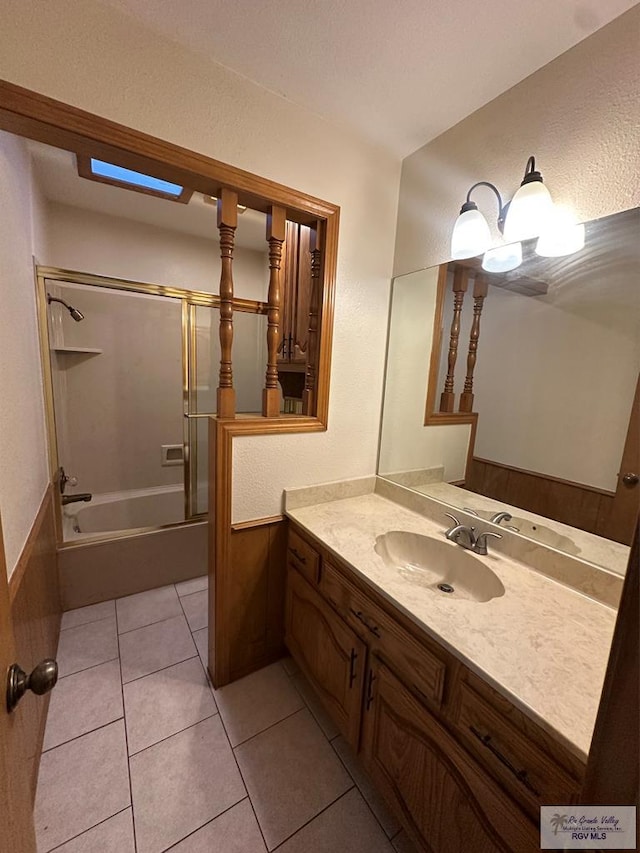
<point>120,512</point>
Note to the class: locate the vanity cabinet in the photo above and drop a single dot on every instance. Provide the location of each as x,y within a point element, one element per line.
<point>330,654</point>
<point>445,797</point>
<point>462,768</point>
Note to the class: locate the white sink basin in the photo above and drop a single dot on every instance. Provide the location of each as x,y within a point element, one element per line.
<point>439,565</point>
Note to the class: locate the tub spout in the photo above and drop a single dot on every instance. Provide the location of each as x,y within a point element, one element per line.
<point>73,499</point>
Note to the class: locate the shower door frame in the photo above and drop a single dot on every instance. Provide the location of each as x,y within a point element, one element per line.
<point>190,300</point>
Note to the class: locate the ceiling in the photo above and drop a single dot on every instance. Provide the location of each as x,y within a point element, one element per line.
<point>57,176</point>
<point>399,73</point>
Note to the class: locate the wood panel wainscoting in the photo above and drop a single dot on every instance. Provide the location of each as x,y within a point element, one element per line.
<point>35,613</point>
<point>570,503</point>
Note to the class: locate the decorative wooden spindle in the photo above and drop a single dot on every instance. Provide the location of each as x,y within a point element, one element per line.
<point>227,224</point>
<point>460,279</point>
<point>480,289</point>
<point>276,226</point>
<point>309,395</point>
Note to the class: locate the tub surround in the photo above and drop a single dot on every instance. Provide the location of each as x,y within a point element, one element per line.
<point>542,645</point>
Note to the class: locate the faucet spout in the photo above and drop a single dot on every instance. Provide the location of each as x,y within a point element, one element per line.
<point>74,499</point>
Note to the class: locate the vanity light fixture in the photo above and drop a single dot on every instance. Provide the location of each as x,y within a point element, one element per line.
<point>525,216</point>
<point>562,235</point>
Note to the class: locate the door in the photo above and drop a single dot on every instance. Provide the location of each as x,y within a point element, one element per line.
<point>16,833</point>
<point>328,652</point>
<point>618,522</point>
<point>448,801</point>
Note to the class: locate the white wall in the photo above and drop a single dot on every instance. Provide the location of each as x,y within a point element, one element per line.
<point>150,83</point>
<point>97,243</point>
<point>406,443</point>
<point>23,454</point>
<point>578,115</point>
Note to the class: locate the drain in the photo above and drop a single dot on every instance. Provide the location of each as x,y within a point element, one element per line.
<point>445,587</point>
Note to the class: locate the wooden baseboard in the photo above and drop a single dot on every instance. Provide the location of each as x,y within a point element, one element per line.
<point>36,613</point>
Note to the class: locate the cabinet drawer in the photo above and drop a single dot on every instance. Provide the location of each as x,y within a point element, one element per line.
<point>510,755</point>
<point>303,557</point>
<point>421,670</point>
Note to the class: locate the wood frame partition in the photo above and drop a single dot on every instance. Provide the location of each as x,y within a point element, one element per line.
<point>52,122</point>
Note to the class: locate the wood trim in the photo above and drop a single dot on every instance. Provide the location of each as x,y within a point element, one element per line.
<point>227,224</point>
<point>36,613</point>
<point>560,480</point>
<point>276,233</point>
<point>612,769</point>
<point>84,171</point>
<point>257,522</point>
<point>436,343</point>
<point>44,119</point>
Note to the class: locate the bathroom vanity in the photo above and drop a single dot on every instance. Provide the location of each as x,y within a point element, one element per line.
<point>469,709</point>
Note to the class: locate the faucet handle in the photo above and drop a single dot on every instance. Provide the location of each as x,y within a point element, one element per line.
<point>480,545</point>
<point>453,518</point>
<point>470,511</point>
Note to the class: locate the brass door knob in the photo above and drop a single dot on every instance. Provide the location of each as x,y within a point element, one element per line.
<point>630,479</point>
<point>42,679</point>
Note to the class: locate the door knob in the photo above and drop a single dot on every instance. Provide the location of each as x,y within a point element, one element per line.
<point>42,679</point>
<point>630,479</point>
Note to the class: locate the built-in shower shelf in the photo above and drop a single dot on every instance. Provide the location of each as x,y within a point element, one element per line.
<point>89,350</point>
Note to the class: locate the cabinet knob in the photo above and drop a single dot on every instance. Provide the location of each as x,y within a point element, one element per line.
<point>42,679</point>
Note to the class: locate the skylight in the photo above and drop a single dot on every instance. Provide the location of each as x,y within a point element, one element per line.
<point>135,179</point>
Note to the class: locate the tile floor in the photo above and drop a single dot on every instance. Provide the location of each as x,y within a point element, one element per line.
<point>142,755</point>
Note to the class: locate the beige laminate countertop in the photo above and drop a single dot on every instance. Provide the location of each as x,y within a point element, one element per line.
<point>542,645</point>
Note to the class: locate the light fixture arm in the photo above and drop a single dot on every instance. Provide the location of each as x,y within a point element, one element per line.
<point>502,208</point>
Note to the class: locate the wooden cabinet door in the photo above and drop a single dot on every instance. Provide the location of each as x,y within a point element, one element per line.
<point>446,800</point>
<point>328,652</point>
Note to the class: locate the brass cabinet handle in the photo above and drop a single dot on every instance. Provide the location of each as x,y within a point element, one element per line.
<point>352,667</point>
<point>370,697</point>
<point>521,775</point>
<point>302,559</point>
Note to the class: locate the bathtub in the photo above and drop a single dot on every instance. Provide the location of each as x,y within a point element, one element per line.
<point>120,512</point>
<point>119,544</point>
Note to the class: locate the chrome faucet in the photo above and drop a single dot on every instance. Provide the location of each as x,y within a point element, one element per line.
<point>74,499</point>
<point>467,538</point>
<point>500,516</point>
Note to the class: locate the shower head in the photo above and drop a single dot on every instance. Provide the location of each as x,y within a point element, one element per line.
<point>77,315</point>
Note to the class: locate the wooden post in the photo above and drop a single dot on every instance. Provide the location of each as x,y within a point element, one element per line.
<point>480,289</point>
<point>227,224</point>
<point>308,397</point>
<point>460,279</point>
<point>276,229</point>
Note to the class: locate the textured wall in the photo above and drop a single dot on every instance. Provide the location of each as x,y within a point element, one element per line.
<point>578,115</point>
<point>97,59</point>
<point>23,455</point>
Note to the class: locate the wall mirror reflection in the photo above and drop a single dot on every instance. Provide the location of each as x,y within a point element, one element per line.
<point>514,395</point>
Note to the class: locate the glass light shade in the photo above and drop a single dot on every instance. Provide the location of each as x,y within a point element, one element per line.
<point>562,235</point>
<point>471,235</point>
<point>503,258</point>
<point>528,212</point>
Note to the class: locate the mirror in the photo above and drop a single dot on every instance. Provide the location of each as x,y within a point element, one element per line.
<point>517,392</point>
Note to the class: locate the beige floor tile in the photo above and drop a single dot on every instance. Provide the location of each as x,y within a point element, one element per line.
<point>166,702</point>
<point>87,645</point>
<point>291,774</point>
<point>347,825</point>
<point>91,613</point>
<point>201,639</point>
<point>80,784</point>
<point>154,647</point>
<point>235,831</point>
<point>182,783</point>
<point>83,702</point>
<point>315,705</point>
<point>196,609</point>
<point>113,836</point>
<point>402,844</point>
<point>254,703</point>
<point>145,608</point>
<point>366,786</point>
<point>194,585</point>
